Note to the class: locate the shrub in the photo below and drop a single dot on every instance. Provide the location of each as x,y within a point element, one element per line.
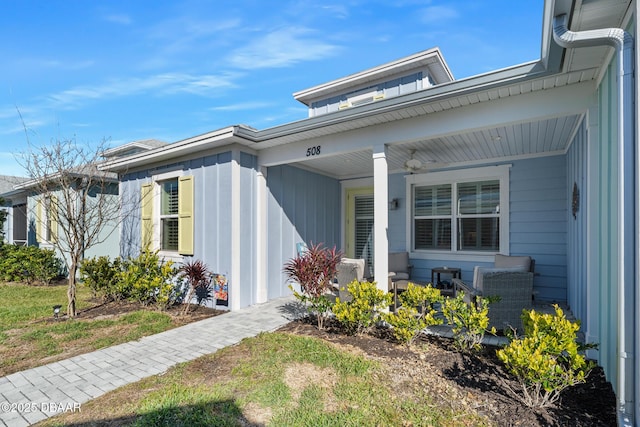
<point>198,278</point>
<point>314,271</point>
<point>101,275</point>
<point>149,280</point>
<point>363,311</point>
<point>29,264</point>
<point>469,321</point>
<point>547,359</point>
<point>415,313</point>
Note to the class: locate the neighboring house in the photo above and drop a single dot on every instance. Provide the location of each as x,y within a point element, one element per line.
<point>15,226</point>
<point>537,159</point>
<point>33,222</point>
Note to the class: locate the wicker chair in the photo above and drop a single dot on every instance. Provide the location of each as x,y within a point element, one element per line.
<point>348,270</point>
<point>511,279</point>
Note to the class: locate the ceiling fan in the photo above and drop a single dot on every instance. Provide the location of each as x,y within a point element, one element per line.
<point>414,165</point>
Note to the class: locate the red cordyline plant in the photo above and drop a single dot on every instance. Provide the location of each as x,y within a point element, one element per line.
<point>314,271</point>
<point>197,275</point>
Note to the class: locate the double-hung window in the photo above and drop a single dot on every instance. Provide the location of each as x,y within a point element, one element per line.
<point>461,212</point>
<point>169,215</point>
<point>167,209</point>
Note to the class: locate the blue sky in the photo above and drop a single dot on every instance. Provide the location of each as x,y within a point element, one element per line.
<point>130,70</point>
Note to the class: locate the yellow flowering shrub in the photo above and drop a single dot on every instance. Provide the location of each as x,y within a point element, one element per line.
<point>547,359</point>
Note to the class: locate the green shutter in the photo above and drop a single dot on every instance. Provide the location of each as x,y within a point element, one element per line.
<point>147,215</point>
<point>53,212</point>
<point>185,215</point>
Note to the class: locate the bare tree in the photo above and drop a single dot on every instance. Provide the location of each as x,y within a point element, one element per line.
<point>80,203</point>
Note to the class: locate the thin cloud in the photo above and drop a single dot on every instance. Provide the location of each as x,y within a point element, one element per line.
<point>169,83</point>
<point>282,48</point>
<point>121,19</point>
<point>437,14</point>
<point>39,63</point>
<point>242,106</point>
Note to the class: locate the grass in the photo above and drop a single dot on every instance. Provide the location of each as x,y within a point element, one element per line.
<point>29,336</point>
<point>275,379</point>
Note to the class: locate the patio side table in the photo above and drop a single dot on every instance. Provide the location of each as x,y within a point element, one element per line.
<point>436,280</point>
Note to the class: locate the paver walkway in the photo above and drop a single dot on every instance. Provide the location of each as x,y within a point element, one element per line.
<point>30,396</point>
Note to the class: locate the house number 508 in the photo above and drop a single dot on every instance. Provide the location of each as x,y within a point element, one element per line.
<point>313,151</point>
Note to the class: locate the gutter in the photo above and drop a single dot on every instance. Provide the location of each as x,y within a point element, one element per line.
<point>627,267</point>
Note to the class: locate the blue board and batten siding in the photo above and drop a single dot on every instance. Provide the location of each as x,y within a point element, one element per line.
<point>577,224</point>
<point>538,225</point>
<point>538,228</point>
<point>603,223</point>
<point>302,207</point>
<point>212,215</point>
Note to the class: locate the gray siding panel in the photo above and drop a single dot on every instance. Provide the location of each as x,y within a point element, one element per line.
<point>212,215</point>
<point>397,217</point>
<point>538,210</point>
<point>302,207</point>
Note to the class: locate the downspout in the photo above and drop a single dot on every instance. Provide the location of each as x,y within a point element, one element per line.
<point>623,43</point>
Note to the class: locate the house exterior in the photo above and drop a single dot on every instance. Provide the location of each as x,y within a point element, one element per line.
<point>537,159</point>
<point>32,219</point>
<point>14,230</point>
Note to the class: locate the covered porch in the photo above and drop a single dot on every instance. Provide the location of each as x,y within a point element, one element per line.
<point>450,186</point>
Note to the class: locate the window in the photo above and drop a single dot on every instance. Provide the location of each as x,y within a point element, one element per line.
<point>432,216</point>
<point>47,219</point>
<point>478,215</point>
<point>460,212</point>
<point>169,215</point>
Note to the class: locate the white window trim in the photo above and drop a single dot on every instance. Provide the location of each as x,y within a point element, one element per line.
<point>500,173</point>
<point>157,223</point>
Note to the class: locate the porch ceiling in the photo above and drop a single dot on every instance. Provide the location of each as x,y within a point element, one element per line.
<point>543,137</point>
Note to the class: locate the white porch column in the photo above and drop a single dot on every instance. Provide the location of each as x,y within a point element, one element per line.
<point>261,235</point>
<point>381,216</point>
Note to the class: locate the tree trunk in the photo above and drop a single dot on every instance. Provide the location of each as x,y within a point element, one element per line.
<point>71,291</point>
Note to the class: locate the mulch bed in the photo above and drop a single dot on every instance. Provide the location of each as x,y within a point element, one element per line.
<point>473,381</point>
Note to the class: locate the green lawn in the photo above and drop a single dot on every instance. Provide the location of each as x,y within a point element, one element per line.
<point>274,379</point>
<point>29,336</point>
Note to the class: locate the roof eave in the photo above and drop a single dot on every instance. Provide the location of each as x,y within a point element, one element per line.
<point>526,71</point>
<point>209,140</point>
<point>307,96</point>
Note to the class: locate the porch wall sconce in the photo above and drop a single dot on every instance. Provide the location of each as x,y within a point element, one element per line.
<point>56,311</point>
<point>393,204</point>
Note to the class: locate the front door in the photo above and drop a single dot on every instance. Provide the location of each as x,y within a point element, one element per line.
<point>359,227</point>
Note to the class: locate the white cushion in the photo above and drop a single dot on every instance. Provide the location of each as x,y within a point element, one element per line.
<point>506,261</point>
<point>399,262</point>
<point>401,276</point>
<point>479,272</point>
<point>359,263</point>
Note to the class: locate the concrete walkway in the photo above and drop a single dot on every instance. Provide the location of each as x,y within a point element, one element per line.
<point>30,396</point>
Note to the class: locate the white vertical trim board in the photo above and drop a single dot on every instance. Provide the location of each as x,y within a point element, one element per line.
<point>381,216</point>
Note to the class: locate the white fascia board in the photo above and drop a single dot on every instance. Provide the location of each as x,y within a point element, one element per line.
<point>33,183</point>
<point>562,101</point>
<point>142,144</point>
<point>217,138</point>
<point>469,85</point>
<point>427,58</point>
